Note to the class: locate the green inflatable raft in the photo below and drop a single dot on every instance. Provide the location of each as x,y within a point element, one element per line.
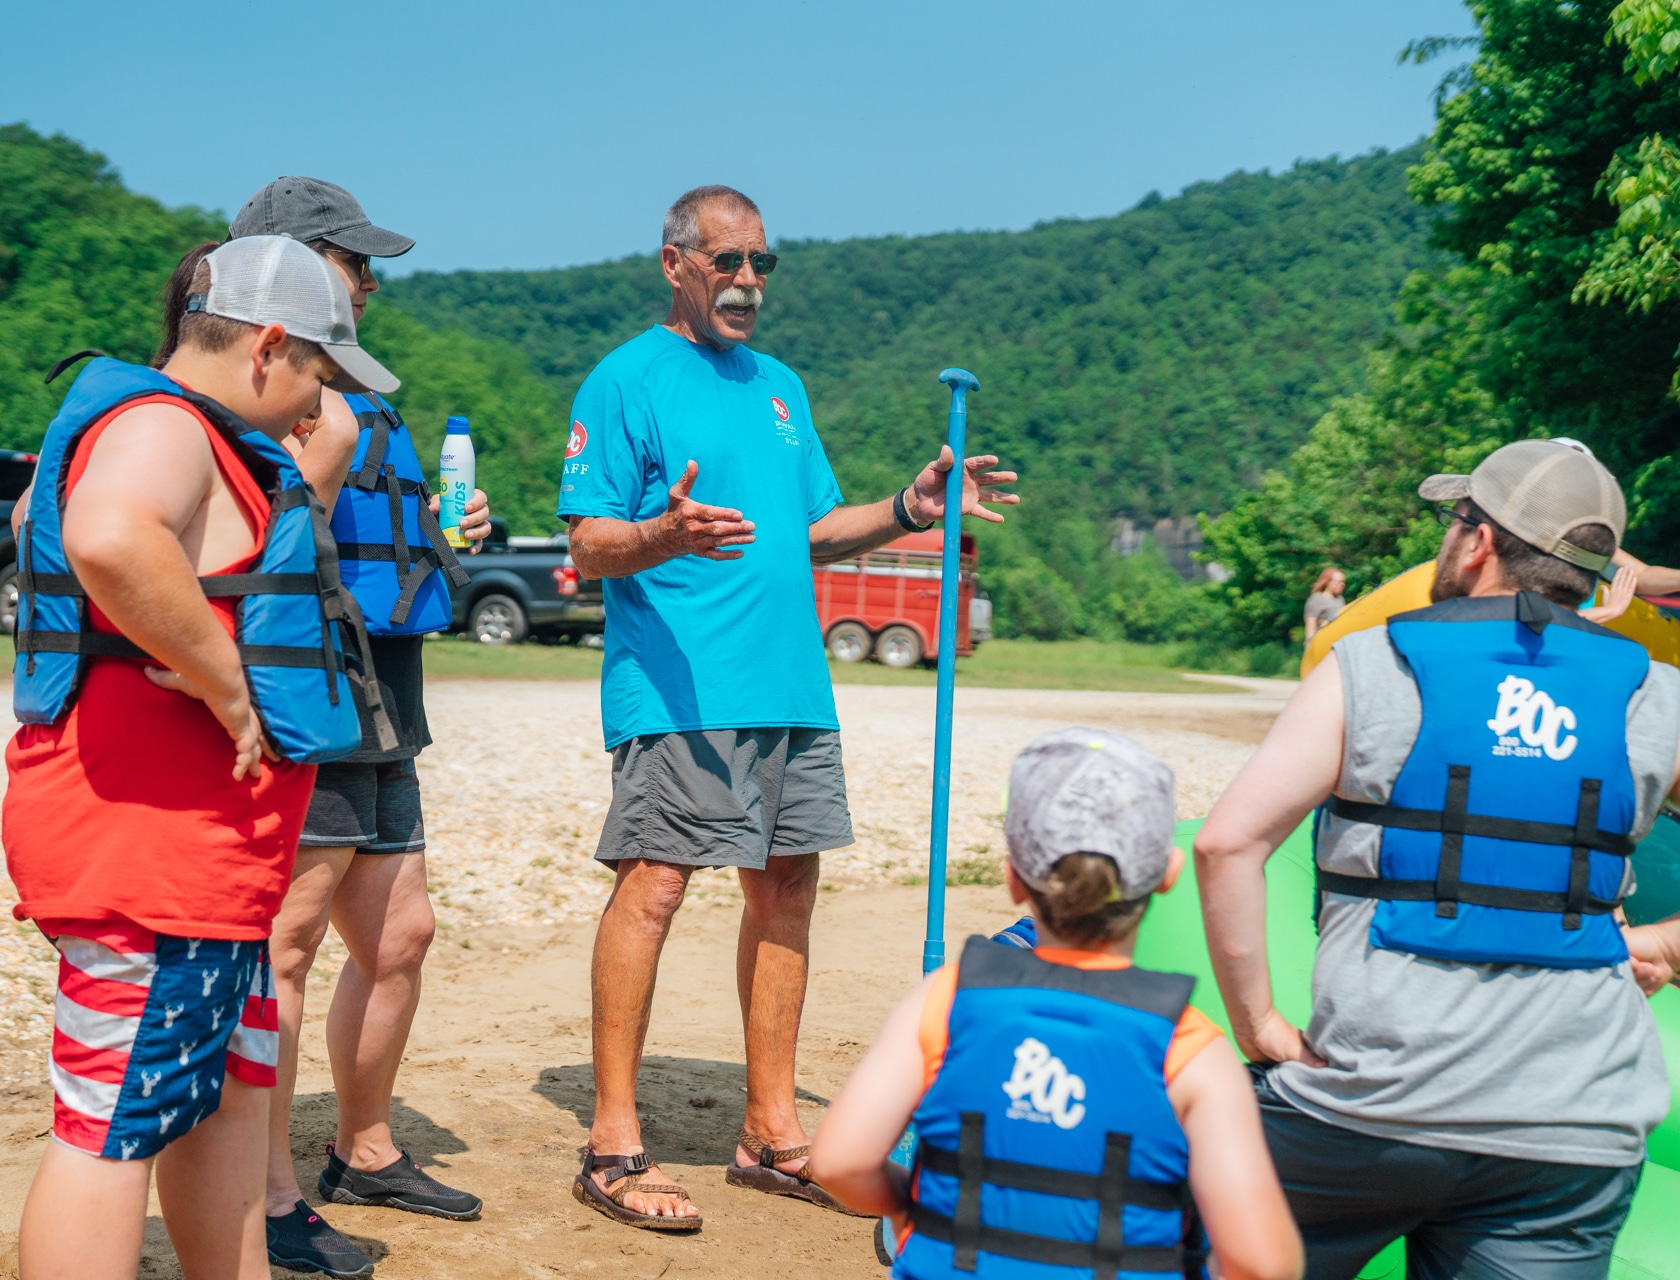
<point>1171,938</point>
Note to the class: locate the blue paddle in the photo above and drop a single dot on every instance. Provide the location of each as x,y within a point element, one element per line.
<point>961,382</point>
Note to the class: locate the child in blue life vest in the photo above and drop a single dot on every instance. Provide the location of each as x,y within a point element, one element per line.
<point>1074,1116</point>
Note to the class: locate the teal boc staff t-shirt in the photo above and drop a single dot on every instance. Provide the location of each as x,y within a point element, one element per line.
<point>696,643</point>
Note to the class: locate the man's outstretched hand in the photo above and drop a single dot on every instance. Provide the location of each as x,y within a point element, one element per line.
<point>926,499</point>
<point>690,528</point>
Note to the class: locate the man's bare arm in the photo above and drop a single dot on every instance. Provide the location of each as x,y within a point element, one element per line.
<point>146,482</point>
<point>1293,771</point>
<point>850,531</point>
<point>603,547</point>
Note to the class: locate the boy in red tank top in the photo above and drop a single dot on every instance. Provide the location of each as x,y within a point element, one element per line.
<point>145,832</point>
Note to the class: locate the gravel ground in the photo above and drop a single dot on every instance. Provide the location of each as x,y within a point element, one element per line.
<point>517,785</point>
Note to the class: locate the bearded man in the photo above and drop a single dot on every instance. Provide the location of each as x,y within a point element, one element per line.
<point>696,486</point>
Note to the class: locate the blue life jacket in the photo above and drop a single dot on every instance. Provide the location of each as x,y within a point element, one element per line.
<point>1507,834</point>
<point>389,541</point>
<point>293,615</point>
<point>1048,1149</point>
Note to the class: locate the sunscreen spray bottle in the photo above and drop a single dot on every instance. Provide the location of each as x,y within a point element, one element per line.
<point>455,479</point>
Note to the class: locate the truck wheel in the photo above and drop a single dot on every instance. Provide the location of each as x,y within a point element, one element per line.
<point>8,599</point>
<point>498,619</point>
<point>849,642</point>
<point>899,647</point>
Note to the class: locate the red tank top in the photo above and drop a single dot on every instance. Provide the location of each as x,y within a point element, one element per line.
<point>126,809</point>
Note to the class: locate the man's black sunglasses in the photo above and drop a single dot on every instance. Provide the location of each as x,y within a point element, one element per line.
<point>1444,516</point>
<point>729,261</point>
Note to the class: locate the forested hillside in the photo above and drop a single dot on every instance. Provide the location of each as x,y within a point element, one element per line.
<point>1555,312</point>
<point>1154,363</point>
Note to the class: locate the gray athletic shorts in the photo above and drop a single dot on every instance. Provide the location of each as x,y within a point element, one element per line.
<point>374,807</point>
<point>726,797</point>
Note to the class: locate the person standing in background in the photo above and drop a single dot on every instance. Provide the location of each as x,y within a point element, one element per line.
<point>1325,603</point>
<point>361,859</point>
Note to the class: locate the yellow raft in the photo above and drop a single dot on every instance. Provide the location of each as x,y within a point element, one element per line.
<point>1643,621</point>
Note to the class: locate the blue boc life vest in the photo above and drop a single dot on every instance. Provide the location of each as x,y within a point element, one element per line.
<point>1048,1149</point>
<point>389,542</point>
<point>1507,835</point>
<point>293,615</point>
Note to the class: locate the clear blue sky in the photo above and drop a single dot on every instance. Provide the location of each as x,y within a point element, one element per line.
<point>527,134</point>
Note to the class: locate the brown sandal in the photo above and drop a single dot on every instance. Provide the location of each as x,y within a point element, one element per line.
<point>629,1172</point>
<point>765,1177</point>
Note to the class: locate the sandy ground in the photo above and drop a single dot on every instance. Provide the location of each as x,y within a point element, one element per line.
<point>496,1090</point>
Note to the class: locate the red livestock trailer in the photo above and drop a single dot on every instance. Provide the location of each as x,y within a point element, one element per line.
<point>886,603</point>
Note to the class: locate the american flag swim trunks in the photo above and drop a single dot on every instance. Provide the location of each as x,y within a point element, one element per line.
<point>145,1028</point>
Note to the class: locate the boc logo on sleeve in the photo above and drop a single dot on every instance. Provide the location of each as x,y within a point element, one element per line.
<point>578,441</point>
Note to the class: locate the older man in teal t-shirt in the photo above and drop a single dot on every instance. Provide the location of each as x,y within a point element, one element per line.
<point>697,488</point>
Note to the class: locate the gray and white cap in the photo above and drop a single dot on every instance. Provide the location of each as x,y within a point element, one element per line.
<point>265,280</point>
<point>1540,490</point>
<point>1091,791</point>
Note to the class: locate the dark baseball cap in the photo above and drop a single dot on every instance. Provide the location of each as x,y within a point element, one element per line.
<point>308,209</point>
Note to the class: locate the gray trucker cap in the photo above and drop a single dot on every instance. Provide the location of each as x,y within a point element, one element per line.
<point>1540,490</point>
<point>309,209</point>
<point>266,280</point>
<point>1091,791</point>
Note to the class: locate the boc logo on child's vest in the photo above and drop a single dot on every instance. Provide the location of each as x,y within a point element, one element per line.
<point>1041,1085</point>
<point>1528,722</point>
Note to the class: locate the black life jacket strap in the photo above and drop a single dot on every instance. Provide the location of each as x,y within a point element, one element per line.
<point>373,460</point>
<point>458,577</point>
<point>107,644</point>
<point>1477,895</point>
<point>65,363</point>
<point>1453,814</point>
<point>1161,1259</point>
<point>1054,1182</point>
<point>1112,1189</point>
<point>1480,824</point>
<point>339,607</point>
<point>412,571</point>
<point>1454,822</point>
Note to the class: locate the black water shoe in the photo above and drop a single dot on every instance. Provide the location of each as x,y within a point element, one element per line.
<point>301,1241</point>
<point>399,1185</point>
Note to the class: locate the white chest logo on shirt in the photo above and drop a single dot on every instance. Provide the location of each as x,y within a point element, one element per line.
<point>1040,1087</point>
<point>1528,722</point>
<point>780,408</point>
<point>578,440</point>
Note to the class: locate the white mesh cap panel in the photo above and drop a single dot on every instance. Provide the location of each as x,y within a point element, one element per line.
<point>265,280</point>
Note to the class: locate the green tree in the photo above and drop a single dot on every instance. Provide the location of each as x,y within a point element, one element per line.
<point>82,264</point>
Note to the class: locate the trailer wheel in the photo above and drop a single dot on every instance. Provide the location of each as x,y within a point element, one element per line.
<point>498,619</point>
<point>849,642</point>
<point>899,647</point>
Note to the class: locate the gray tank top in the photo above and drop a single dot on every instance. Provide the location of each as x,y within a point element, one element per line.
<point>1559,1065</point>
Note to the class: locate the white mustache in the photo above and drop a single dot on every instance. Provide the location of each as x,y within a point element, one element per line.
<point>736,296</point>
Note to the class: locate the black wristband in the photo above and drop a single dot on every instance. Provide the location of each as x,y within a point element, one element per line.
<point>901,513</point>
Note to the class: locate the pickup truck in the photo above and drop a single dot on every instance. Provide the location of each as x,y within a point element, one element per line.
<point>16,471</point>
<point>522,587</point>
